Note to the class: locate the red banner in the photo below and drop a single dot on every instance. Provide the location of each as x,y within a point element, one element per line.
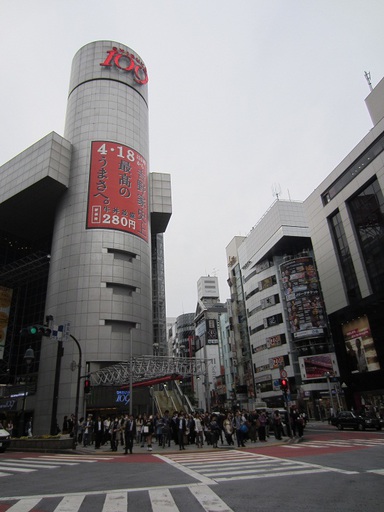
<point>118,189</point>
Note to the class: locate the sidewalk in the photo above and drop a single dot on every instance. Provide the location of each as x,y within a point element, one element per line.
<point>156,449</point>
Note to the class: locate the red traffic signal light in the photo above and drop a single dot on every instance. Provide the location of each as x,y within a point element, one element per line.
<point>87,386</point>
<point>44,331</point>
<point>284,384</point>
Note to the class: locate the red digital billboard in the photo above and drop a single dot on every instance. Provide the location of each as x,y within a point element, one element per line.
<point>118,189</point>
<point>315,367</point>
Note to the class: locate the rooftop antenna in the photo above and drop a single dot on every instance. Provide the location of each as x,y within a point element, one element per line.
<point>367,75</point>
<point>276,190</point>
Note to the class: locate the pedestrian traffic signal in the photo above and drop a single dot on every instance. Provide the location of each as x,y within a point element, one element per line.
<point>284,384</point>
<point>87,386</point>
<point>36,330</point>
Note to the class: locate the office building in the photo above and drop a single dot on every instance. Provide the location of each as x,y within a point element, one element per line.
<point>346,223</point>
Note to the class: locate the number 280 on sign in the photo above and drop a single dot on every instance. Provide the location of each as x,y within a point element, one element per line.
<point>106,218</point>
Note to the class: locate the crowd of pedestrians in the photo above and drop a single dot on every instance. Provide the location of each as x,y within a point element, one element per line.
<point>227,427</point>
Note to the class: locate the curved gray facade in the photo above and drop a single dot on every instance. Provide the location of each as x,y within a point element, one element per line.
<point>100,275</point>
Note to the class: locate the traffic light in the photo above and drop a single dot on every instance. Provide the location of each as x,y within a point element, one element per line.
<point>284,385</point>
<point>87,386</point>
<point>36,330</point>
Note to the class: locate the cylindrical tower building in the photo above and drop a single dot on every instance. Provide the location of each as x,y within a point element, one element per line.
<point>100,269</point>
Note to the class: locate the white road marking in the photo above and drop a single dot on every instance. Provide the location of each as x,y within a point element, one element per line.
<point>115,502</point>
<point>162,501</point>
<point>209,500</point>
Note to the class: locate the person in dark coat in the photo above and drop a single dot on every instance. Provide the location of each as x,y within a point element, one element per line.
<point>99,432</point>
<point>215,431</point>
<point>181,430</point>
<point>129,434</point>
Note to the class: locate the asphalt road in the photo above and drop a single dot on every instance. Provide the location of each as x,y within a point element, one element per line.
<point>341,471</point>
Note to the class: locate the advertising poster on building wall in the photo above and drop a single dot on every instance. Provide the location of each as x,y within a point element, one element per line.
<point>118,189</point>
<point>315,367</point>
<point>212,334</point>
<point>5,306</point>
<point>360,347</point>
<point>302,294</point>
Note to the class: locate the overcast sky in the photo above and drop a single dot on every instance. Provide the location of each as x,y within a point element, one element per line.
<point>243,95</point>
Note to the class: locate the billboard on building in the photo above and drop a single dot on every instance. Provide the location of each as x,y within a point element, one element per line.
<point>315,367</point>
<point>118,189</point>
<point>302,294</point>
<point>360,347</point>
<point>5,306</point>
<point>212,334</point>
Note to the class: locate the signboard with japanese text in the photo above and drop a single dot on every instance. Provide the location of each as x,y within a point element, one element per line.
<point>118,189</point>
<point>303,297</point>
<point>212,334</point>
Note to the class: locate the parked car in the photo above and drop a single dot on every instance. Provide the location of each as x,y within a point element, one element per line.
<point>5,440</point>
<point>349,419</point>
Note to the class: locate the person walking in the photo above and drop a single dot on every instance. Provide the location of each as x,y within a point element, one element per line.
<point>99,432</point>
<point>181,430</point>
<point>87,431</point>
<point>277,426</point>
<point>238,422</point>
<point>262,426</point>
<point>129,434</point>
<point>114,431</point>
<point>215,431</point>
<point>148,429</point>
<point>228,429</point>
<point>199,431</point>
<point>191,429</point>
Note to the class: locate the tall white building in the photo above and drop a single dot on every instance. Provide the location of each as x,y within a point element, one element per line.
<point>346,222</point>
<point>283,316</point>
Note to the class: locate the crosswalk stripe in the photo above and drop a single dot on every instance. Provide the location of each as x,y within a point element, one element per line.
<point>36,460</point>
<point>348,443</point>
<point>70,503</point>
<point>16,464</point>
<point>115,502</point>
<point>251,471</point>
<point>74,461</point>
<point>78,458</point>
<point>377,471</point>
<point>270,475</point>
<point>25,505</point>
<point>187,470</point>
<point>209,500</point>
<point>28,464</point>
<point>162,501</point>
<point>17,470</point>
<point>249,466</point>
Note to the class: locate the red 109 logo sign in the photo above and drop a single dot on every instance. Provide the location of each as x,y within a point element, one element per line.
<point>127,62</point>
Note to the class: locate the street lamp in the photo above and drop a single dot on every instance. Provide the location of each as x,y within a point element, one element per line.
<point>76,425</point>
<point>29,357</point>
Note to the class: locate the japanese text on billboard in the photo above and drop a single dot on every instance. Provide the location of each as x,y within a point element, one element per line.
<point>118,189</point>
